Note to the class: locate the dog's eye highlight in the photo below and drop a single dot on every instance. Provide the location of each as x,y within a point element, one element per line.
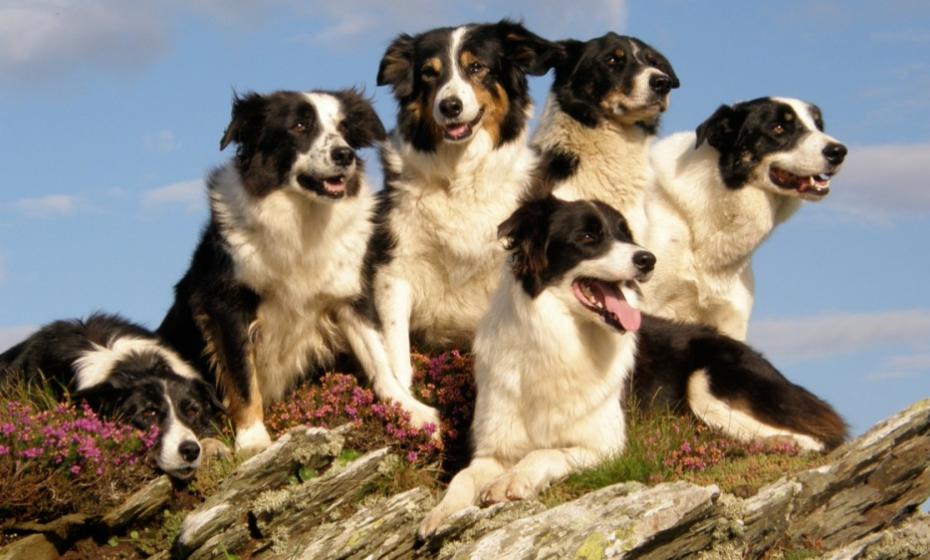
<point>588,237</point>
<point>299,126</point>
<point>614,60</point>
<point>474,68</point>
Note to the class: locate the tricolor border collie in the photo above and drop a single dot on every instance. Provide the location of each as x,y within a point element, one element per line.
<point>276,289</point>
<point>563,340</point>
<point>719,192</point>
<point>124,371</point>
<point>455,167</point>
<point>602,113</point>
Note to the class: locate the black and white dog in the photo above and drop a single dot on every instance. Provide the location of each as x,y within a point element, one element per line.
<point>719,192</point>
<point>276,287</point>
<point>124,371</point>
<point>602,113</point>
<point>455,167</point>
<point>564,339</point>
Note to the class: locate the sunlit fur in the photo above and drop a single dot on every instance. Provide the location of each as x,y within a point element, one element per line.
<point>599,121</point>
<point>712,207</point>
<point>437,252</point>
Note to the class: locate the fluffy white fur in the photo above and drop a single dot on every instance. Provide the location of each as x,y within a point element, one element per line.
<point>549,375</point>
<point>704,234</point>
<point>447,206</point>
<point>613,161</point>
<point>303,255</point>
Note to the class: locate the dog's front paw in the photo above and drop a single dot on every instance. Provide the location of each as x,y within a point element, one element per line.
<point>252,440</point>
<point>510,486</point>
<point>431,522</point>
<point>214,449</point>
<point>421,415</point>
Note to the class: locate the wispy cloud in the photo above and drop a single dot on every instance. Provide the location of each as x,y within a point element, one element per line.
<point>50,206</point>
<point>189,194</point>
<point>883,182</point>
<point>162,142</point>
<point>821,336</point>
<point>902,367</point>
<point>10,336</point>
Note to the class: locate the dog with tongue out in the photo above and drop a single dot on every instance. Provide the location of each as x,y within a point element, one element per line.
<point>564,339</point>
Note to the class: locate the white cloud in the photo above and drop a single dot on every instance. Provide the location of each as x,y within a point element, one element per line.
<point>161,142</point>
<point>10,336</point>
<point>41,37</point>
<point>809,338</point>
<point>189,194</point>
<point>903,367</point>
<point>883,181</point>
<point>51,206</point>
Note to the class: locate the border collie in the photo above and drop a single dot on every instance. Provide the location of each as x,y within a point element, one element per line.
<point>276,286</point>
<point>124,371</point>
<point>718,195</point>
<point>602,113</point>
<point>562,341</point>
<point>455,167</point>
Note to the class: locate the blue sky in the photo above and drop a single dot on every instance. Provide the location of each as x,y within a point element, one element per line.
<point>111,113</point>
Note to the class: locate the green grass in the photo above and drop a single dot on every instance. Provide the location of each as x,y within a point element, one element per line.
<point>664,447</point>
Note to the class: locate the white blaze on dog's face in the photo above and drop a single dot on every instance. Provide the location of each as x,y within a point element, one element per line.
<point>614,77</point>
<point>455,82</point>
<point>305,142</point>
<point>774,143</point>
<point>584,252</point>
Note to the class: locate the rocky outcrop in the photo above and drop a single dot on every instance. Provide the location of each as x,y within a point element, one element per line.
<point>296,501</point>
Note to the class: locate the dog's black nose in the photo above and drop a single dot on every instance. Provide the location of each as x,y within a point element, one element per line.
<point>189,450</point>
<point>660,83</point>
<point>343,157</point>
<point>450,107</point>
<point>835,153</point>
<point>644,261</point>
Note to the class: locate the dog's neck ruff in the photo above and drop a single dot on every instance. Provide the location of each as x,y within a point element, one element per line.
<point>612,158</point>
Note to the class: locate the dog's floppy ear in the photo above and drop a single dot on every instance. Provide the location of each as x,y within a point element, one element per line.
<point>526,232</point>
<point>529,52</point>
<point>571,52</point>
<point>209,396</point>
<point>396,68</point>
<point>720,130</point>
<point>247,112</point>
<point>364,128</point>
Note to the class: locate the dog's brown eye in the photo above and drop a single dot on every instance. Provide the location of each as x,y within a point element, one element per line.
<point>149,416</point>
<point>191,411</point>
<point>614,60</point>
<point>587,238</point>
<point>475,68</point>
<point>429,73</point>
<point>299,127</point>
<point>778,129</point>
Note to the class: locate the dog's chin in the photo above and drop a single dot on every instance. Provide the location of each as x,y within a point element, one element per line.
<point>808,187</point>
<point>182,473</point>
<point>460,132</point>
<point>605,300</point>
<point>648,113</point>
<point>331,187</point>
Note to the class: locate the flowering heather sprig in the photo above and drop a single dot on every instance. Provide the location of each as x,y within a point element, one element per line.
<point>706,449</point>
<point>67,439</point>
<point>335,399</point>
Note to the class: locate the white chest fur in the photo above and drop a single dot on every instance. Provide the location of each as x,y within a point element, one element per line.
<point>303,257</point>
<point>613,162</point>
<point>546,380</point>
<point>447,207</point>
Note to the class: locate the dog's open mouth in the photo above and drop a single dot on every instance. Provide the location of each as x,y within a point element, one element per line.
<point>461,130</point>
<point>334,187</point>
<point>816,185</point>
<point>606,299</point>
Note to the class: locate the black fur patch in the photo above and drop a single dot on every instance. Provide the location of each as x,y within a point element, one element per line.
<point>555,166</point>
<point>745,132</point>
<point>547,237</point>
<point>591,70</point>
<point>506,49</point>
<point>669,353</point>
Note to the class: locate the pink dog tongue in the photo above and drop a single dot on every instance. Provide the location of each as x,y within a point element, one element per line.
<point>614,302</point>
<point>458,130</point>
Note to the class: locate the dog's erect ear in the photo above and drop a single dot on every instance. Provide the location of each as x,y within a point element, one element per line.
<point>396,68</point>
<point>247,112</point>
<point>527,238</point>
<point>528,51</point>
<point>720,130</point>
<point>364,128</point>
